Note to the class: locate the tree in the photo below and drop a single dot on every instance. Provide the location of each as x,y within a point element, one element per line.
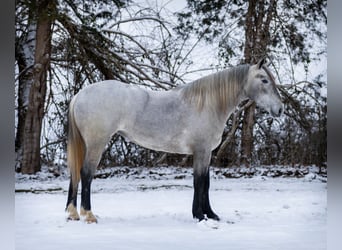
<point>257,40</point>
<point>283,31</point>
<point>43,15</point>
<point>24,54</point>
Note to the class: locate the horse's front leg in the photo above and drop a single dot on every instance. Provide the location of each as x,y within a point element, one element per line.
<point>87,174</point>
<point>201,204</point>
<point>206,206</point>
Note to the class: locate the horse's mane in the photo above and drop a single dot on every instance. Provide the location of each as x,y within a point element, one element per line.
<point>218,90</point>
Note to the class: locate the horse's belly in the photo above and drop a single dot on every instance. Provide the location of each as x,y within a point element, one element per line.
<point>159,143</point>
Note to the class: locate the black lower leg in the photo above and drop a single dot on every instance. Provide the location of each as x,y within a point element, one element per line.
<point>197,208</point>
<point>206,203</point>
<point>86,179</point>
<point>201,204</point>
<point>72,194</point>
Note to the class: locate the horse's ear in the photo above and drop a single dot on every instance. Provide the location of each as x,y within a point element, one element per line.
<point>261,62</point>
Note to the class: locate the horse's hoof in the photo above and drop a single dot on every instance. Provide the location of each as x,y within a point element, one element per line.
<point>208,224</point>
<point>89,216</point>
<point>91,220</point>
<point>214,217</point>
<point>72,213</point>
<point>73,218</point>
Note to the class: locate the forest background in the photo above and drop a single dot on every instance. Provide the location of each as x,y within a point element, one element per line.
<point>62,46</point>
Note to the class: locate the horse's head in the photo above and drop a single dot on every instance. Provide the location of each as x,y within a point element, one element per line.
<point>262,89</point>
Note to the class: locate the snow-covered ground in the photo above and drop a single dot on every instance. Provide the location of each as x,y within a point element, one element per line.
<point>151,209</point>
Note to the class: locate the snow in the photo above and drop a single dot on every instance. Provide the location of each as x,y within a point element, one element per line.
<point>151,209</point>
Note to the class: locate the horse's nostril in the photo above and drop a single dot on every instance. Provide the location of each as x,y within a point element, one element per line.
<point>280,111</point>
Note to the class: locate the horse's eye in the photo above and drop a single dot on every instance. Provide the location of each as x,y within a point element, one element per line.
<point>264,81</point>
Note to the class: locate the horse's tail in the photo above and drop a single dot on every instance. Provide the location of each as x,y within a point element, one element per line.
<point>76,147</point>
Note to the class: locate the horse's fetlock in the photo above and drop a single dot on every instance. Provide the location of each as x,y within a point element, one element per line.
<point>89,217</point>
<point>72,212</point>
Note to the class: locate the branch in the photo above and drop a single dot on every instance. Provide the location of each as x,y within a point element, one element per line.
<point>52,143</point>
<point>23,72</point>
<point>147,77</point>
<point>137,19</point>
<point>128,36</point>
<point>187,54</point>
<point>235,124</point>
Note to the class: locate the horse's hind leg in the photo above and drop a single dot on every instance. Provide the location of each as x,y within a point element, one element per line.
<point>92,159</point>
<point>87,174</point>
<point>71,206</point>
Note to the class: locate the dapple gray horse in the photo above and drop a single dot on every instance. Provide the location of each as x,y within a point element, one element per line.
<point>188,119</point>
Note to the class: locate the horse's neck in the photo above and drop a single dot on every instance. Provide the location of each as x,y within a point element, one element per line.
<point>224,116</point>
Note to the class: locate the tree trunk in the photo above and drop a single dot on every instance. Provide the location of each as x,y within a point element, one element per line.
<point>248,117</point>
<point>257,39</point>
<point>35,108</point>
<point>24,53</point>
<point>247,135</point>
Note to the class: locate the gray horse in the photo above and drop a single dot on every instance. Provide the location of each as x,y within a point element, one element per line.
<point>188,119</point>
